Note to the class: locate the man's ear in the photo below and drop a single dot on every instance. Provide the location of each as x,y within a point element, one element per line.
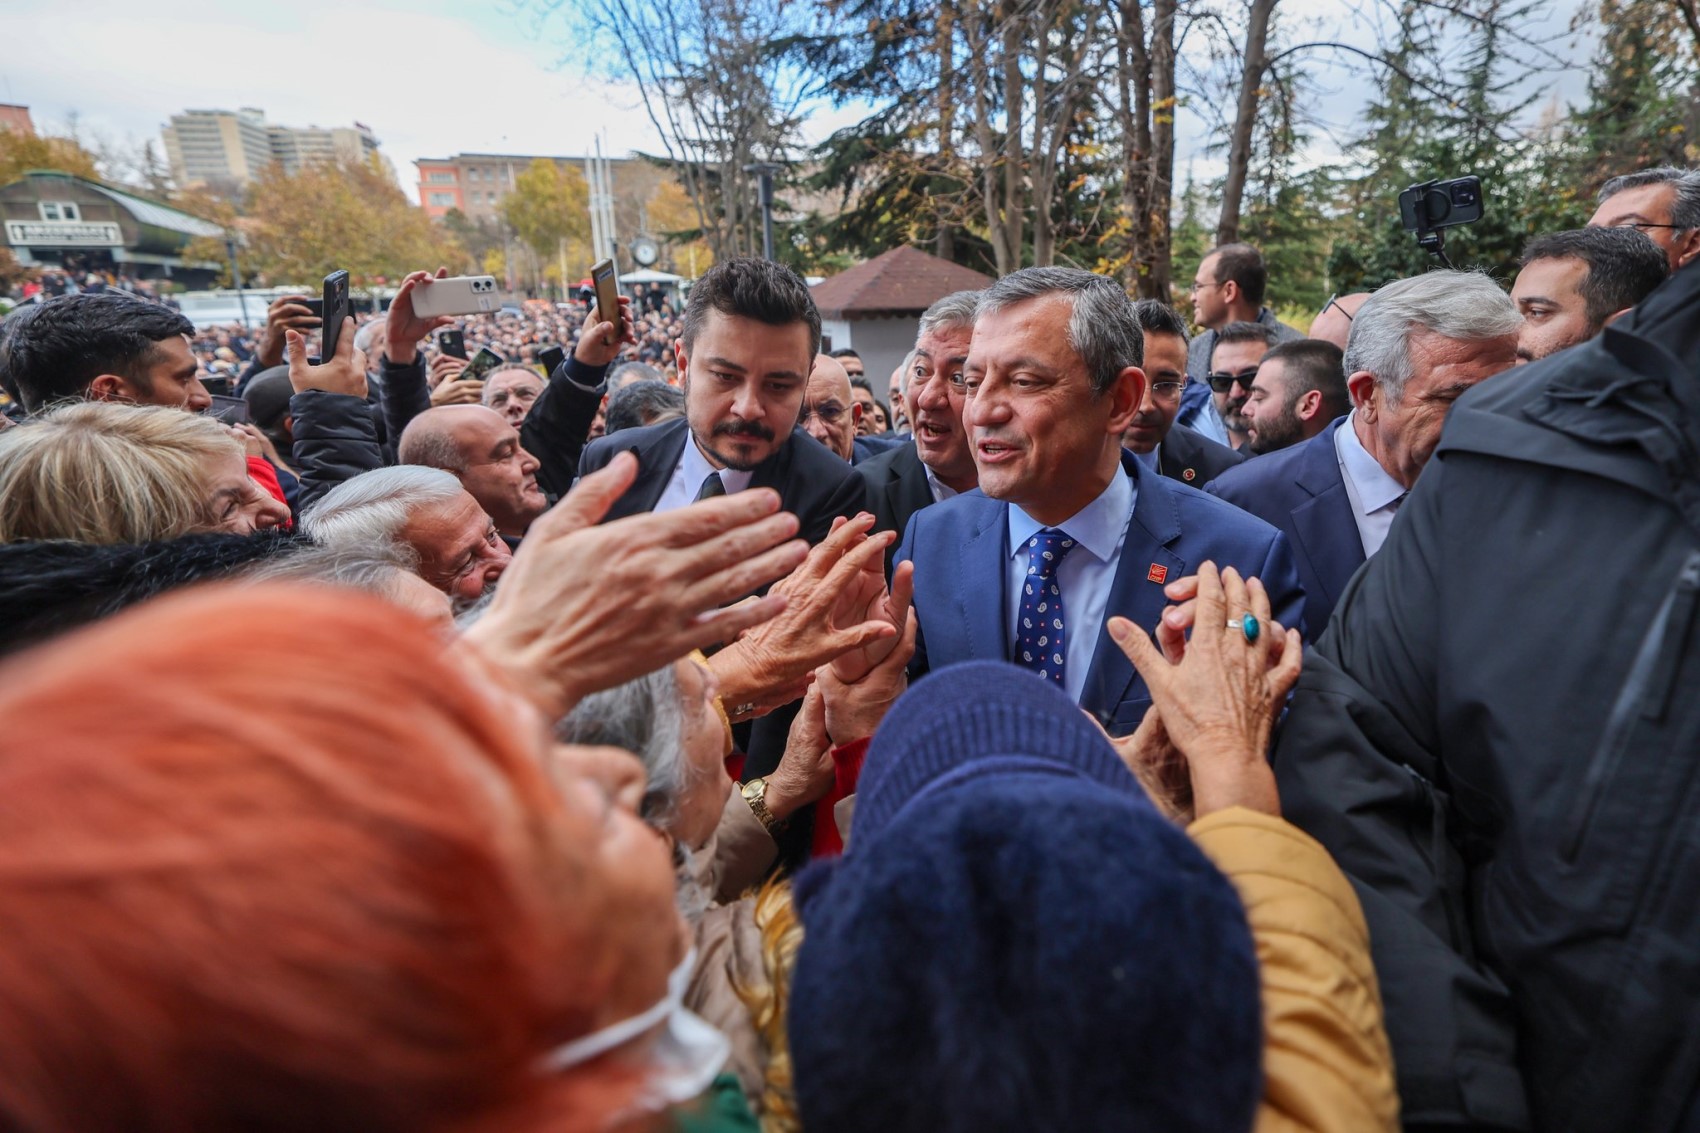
<point>1230,292</point>
<point>111,387</point>
<point>856,408</point>
<point>1362,387</point>
<point>1613,317</point>
<point>1125,396</point>
<point>1309,404</point>
<point>1688,249</point>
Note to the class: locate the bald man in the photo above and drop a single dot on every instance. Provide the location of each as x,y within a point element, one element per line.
<point>1334,323</point>
<point>481,450</point>
<point>830,413</point>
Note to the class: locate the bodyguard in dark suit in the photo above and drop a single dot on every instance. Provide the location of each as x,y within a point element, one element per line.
<point>1174,450</point>
<point>1067,528</point>
<point>1301,491</point>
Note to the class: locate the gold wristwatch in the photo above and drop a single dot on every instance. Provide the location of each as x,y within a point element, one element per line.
<point>755,793</point>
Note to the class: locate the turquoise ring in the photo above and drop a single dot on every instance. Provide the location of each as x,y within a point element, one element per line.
<point>1247,625</point>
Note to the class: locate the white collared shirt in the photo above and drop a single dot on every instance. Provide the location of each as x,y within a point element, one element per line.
<point>1085,576</point>
<point>1374,494</point>
<point>941,491</point>
<point>693,468</point>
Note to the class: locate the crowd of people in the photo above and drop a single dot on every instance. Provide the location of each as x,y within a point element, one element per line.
<point>1119,728</point>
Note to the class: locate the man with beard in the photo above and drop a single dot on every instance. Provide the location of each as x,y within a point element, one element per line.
<point>1300,387</point>
<point>1240,348</point>
<point>1573,283</point>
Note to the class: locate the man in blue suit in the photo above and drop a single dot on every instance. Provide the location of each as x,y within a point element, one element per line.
<point>1065,528</point>
<point>1415,346</point>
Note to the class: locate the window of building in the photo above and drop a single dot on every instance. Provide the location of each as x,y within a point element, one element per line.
<point>58,210</point>
<point>441,200</point>
<point>440,177</point>
<point>472,174</point>
<point>491,197</point>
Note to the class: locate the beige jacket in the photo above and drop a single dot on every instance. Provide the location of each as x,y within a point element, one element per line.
<point>1326,1062</point>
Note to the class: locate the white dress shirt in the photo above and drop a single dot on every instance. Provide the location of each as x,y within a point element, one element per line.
<point>693,468</point>
<point>1374,494</point>
<point>941,491</point>
<point>1085,576</point>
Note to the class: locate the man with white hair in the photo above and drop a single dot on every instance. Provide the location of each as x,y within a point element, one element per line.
<point>424,509</point>
<point>1416,346</point>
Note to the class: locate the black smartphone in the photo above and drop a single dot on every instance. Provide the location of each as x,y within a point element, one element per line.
<point>551,358</point>
<point>484,362</point>
<point>334,309</point>
<point>452,342</point>
<point>230,410</point>
<point>317,306</point>
<point>1441,204</point>
<point>218,387</point>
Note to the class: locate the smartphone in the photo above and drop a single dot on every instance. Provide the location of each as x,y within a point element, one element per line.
<point>452,342</point>
<point>334,309</point>
<point>484,362</point>
<point>1441,204</point>
<point>230,410</point>
<point>607,292</point>
<point>457,295</point>
<point>551,358</point>
<point>317,306</point>
<point>217,386</point>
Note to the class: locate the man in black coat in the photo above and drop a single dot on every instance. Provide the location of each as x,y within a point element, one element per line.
<point>1170,450</point>
<point>1496,737</point>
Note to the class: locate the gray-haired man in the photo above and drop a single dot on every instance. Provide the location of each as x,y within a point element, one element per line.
<point>1664,203</point>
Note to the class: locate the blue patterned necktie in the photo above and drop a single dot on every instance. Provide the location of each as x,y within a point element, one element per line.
<point>1039,641</point>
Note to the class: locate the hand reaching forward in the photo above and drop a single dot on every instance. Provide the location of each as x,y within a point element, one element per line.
<point>1218,704</point>
<point>584,608</point>
<point>343,372</point>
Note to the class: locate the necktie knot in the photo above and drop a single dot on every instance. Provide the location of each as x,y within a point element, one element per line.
<point>1046,551</point>
<point>712,486</point>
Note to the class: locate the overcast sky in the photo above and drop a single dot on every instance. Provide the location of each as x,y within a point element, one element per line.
<point>430,77</point>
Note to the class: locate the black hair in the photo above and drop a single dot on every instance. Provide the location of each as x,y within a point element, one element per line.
<point>1244,265</point>
<point>1624,266</point>
<point>640,404</point>
<point>1242,332</point>
<point>1157,317</point>
<point>753,289</point>
<point>55,350</point>
<point>1315,364</point>
<point>845,352</point>
<point>860,381</point>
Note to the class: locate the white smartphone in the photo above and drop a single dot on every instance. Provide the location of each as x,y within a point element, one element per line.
<point>456,295</point>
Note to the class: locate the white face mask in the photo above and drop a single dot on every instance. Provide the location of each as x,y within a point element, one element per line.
<point>683,1060</point>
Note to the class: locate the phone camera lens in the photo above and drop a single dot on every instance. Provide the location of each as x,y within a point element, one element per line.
<point>1463,194</point>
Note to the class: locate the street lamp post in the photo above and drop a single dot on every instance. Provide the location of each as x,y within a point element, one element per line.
<point>236,274</point>
<point>766,170</point>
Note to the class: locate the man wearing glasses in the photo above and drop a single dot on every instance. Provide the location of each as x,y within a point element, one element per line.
<point>1663,203</point>
<point>831,414</point>
<point>1173,451</point>
<point>1228,288</point>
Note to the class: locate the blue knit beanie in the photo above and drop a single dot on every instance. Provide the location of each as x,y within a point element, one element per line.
<point>1016,939</point>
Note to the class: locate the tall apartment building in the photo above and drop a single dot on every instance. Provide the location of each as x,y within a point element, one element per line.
<point>216,146</point>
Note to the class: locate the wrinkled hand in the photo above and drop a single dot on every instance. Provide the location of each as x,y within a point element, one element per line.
<point>1177,621</point>
<point>867,599</point>
<point>781,654</point>
<point>599,342</point>
<point>854,709</point>
<point>403,330</point>
<point>1219,703</point>
<point>584,608</point>
<point>457,392</point>
<point>286,313</point>
<point>344,372</point>
<point>444,367</point>
<point>805,772</point>
<point>1159,767</point>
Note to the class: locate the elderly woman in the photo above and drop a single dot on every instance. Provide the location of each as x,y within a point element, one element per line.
<point>99,472</point>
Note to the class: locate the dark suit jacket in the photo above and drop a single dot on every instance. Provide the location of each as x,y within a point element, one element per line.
<point>1300,490</point>
<point>813,483</point>
<point>1193,458</point>
<point>558,425</point>
<point>960,551</point>
<point>897,488</point>
<point>866,448</point>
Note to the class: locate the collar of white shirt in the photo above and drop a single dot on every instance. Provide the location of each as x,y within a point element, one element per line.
<point>941,491</point>
<point>1099,526</point>
<point>688,475</point>
<point>1375,488</point>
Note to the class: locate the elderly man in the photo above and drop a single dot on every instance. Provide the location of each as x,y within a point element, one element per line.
<point>424,509</point>
<point>1664,203</point>
<point>830,414</point>
<point>1299,389</point>
<point>939,464</point>
<point>1173,450</point>
<point>1334,322</point>
<point>1573,283</point>
<point>1228,288</point>
<point>1070,528</point>
<point>1416,346</point>
<point>483,452</point>
<point>511,391</point>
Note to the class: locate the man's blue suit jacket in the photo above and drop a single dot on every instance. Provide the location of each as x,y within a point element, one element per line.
<point>960,551</point>
<point>1300,490</point>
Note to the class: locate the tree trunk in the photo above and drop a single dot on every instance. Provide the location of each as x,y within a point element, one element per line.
<point>946,246</point>
<point>1162,176</point>
<point>1015,158</point>
<point>1245,120</point>
<point>1133,115</point>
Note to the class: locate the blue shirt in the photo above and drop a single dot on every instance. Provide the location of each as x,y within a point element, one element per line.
<point>1085,576</point>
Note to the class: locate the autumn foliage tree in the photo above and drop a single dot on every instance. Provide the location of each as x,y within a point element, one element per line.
<point>20,153</point>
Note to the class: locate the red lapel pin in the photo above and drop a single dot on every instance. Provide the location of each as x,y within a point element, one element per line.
<point>1188,474</point>
<point>1157,573</point>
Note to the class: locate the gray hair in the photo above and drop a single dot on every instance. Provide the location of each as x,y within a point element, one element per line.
<point>372,569</point>
<point>954,310</point>
<point>903,371</point>
<point>1465,306</point>
<point>625,372</point>
<point>1102,329</point>
<point>647,718</point>
<point>371,509</point>
<point>1684,211</point>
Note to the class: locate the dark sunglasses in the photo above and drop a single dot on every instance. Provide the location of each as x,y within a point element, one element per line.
<point>1223,382</point>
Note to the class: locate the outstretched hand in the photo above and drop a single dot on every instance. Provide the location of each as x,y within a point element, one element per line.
<point>584,607</point>
<point>343,372</point>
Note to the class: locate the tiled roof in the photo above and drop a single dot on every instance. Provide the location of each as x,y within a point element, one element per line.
<point>903,281</point>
